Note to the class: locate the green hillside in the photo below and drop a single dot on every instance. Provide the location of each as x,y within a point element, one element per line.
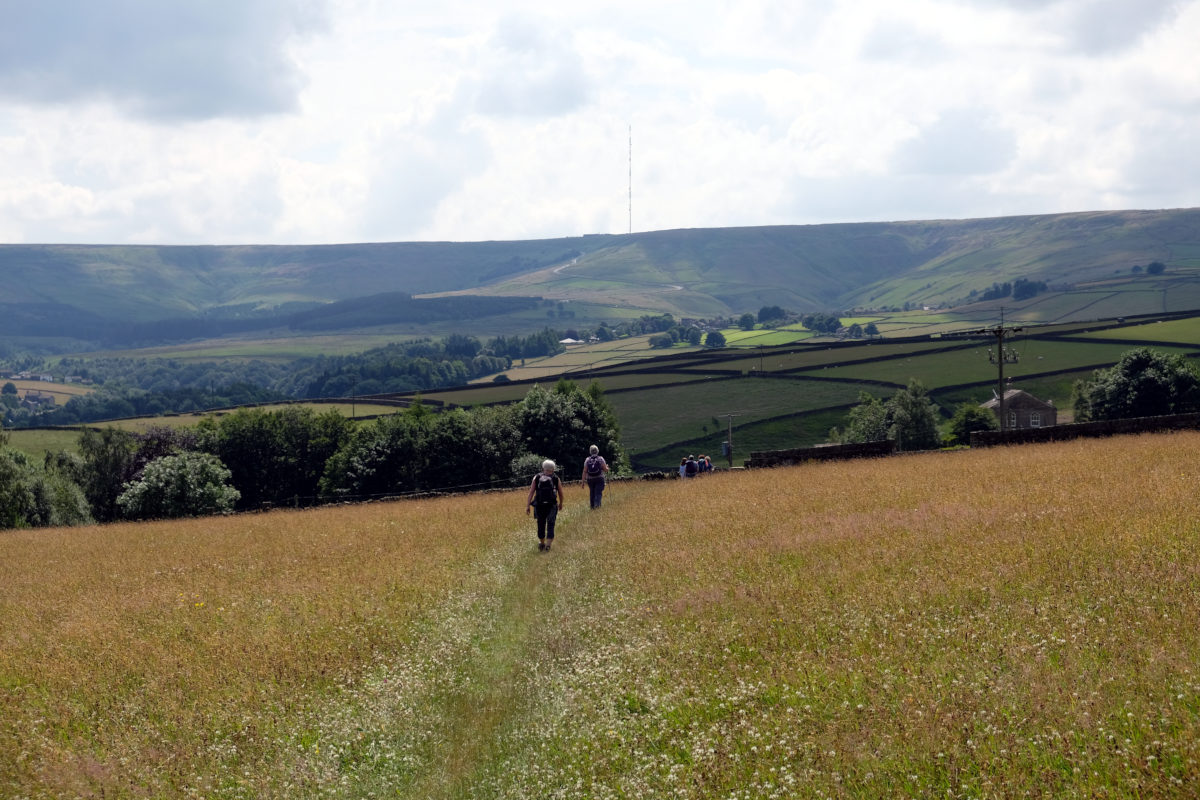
<point>189,292</point>
<point>872,265</point>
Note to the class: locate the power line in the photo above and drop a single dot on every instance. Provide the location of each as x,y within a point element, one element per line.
<point>1000,356</point>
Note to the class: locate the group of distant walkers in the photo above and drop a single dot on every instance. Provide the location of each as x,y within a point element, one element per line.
<point>691,466</point>
<point>546,493</point>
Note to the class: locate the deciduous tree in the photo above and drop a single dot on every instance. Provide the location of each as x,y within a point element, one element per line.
<point>1143,383</point>
<point>968,418</point>
<point>183,485</point>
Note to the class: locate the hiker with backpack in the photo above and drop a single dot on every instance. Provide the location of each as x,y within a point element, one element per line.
<point>594,467</point>
<point>690,468</point>
<point>546,500</point>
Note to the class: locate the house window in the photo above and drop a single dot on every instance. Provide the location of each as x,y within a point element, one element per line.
<point>1035,419</point>
<point>1012,419</point>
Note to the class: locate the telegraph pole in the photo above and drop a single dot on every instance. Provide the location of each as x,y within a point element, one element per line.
<point>1000,356</point>
<point>729,438</point>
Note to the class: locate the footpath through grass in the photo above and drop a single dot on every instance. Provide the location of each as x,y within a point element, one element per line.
<point>1012,622</point>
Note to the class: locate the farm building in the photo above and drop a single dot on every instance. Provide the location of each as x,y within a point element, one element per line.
<point>1024,410</point>
<point>35,400</point>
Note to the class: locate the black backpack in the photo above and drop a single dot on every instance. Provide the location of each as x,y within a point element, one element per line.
<point>594,466</point>
<point>546,493</point>
<point>691,468</point>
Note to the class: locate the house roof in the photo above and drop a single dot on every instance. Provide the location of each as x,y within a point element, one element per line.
<point>1020,397</point>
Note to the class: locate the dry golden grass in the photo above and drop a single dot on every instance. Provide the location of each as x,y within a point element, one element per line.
<point>126,651</point>
<point>993,623</point>
<point>62,391</point>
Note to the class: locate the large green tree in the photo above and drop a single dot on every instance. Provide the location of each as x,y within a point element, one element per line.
<point>109,461</point>
<point>909,417</point>
<point>276,457</point>
<point>562,424</point>
<point>35,496</point>
<point>183,485</point>
<point>1143,383</point>
<point>968,418</point>
<point>866,422</point>
<point>914,418</point>
<point>384,458</point>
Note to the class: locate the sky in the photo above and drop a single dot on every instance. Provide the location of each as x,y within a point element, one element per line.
<point>325,121</point>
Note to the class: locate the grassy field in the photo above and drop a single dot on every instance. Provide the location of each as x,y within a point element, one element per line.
<point>62,391</point>
<point>972,364</point>
<point>654,416</point>
<point>1004,623</point>
<point>38,442</point>
<point>1185,331</point>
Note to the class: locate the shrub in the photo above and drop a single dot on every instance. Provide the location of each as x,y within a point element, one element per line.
<point>184,485</point>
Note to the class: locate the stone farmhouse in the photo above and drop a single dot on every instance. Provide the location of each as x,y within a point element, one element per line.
<point>1024,410</point>
<point>37,400</point>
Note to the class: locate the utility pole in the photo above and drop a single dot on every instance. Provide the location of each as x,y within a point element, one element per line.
<point>729,438</point>
<point>1000,356</point>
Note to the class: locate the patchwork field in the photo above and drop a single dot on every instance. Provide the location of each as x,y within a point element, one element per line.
<point>1014,622</point>
<point>62,391</point>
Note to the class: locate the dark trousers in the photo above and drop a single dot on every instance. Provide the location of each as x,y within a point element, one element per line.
<point>545,516</point>
<point>596,488</point>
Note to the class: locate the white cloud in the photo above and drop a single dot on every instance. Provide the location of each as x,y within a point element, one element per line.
<point>276,121</point>
<point>529,70</point>
<point>1102,26</point>
<point>959,142</point>
<point>186,59</point>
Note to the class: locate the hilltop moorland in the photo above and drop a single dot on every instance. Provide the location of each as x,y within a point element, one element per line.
<point>122,295</point>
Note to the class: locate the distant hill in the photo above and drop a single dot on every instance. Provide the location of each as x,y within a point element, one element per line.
<point>838,267</point>
<point>105,292</point>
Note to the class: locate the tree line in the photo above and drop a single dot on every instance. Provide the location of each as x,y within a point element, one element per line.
<point>140,387</point>
<point>255,458</point>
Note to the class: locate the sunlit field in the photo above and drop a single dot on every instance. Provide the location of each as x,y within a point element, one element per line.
<point>1012,622</point>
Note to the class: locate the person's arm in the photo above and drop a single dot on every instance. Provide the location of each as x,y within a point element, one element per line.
<point>603,464</point>
<point>560,495</point>
<point>529,499</point>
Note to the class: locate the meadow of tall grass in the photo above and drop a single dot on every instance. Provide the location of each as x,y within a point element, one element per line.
<point>992,623</point>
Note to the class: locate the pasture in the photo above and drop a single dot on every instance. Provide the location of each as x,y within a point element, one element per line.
<point>691,411</point>
<point>1012,622</point>
<point>62,392</point>
<point>41,441</point>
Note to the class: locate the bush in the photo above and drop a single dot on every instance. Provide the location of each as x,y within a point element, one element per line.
<point>524,467</point>
<point>184,485</point>
<point>968,418</point>
<point>32,497</point>
<point>1144,383</point>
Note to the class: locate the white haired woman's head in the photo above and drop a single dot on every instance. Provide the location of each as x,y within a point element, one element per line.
<point>547,466</point>
<point>593,450</point>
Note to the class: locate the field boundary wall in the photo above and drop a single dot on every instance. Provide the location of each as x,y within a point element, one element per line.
<point>833,452</point>
<point>1082,430</point>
